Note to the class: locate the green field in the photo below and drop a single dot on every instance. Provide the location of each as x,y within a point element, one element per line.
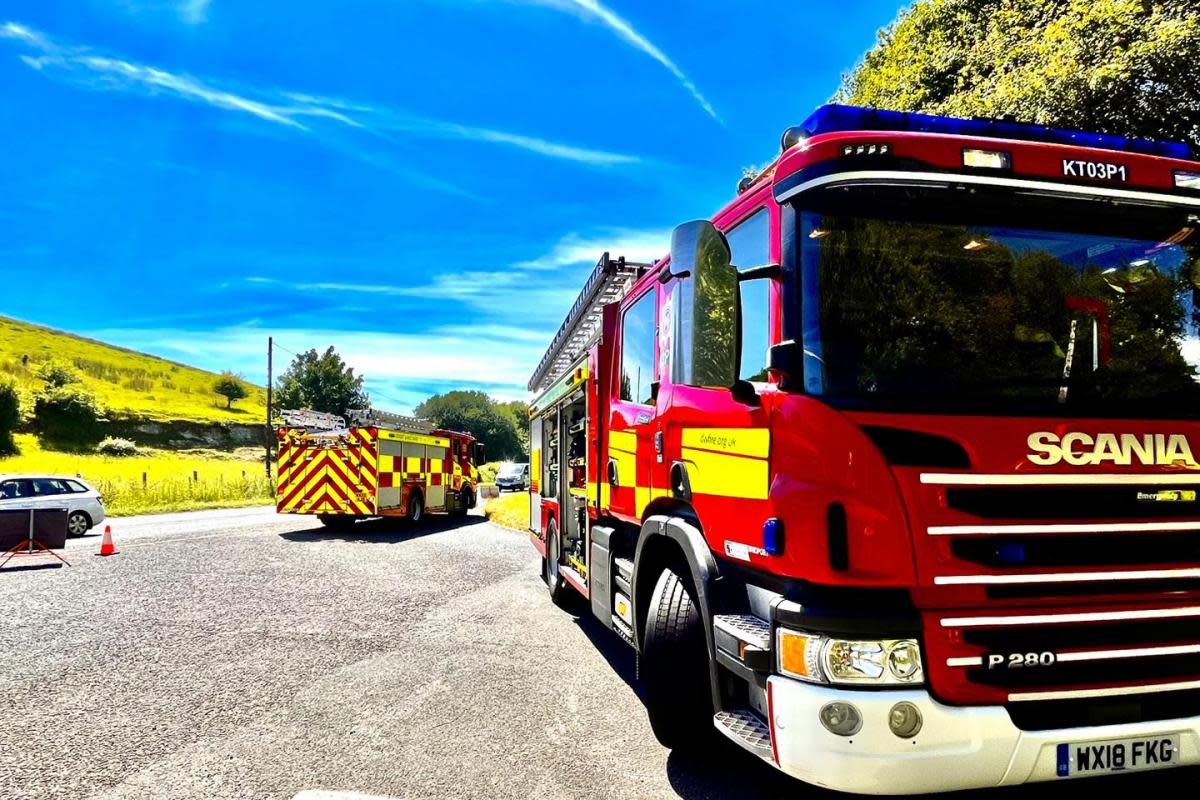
<point>156,481</point>
<point>127,383</point>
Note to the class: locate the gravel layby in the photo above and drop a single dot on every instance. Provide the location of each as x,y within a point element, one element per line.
<point>238,654</point>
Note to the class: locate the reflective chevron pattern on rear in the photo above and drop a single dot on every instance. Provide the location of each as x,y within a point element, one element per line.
<point>325,474</point>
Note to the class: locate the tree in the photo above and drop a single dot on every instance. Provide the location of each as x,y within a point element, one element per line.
<point>231,387</point>
<point>1119,66</point>
<point>10,413</point>
<point>477,414</point>
<point>321,382</point>
<point>67,415</point>
<point>56,374</point>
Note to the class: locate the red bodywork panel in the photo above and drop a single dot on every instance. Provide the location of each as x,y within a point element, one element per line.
<point>819,455</point>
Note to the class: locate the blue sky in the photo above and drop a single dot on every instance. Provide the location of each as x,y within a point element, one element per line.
<point>422,183</point>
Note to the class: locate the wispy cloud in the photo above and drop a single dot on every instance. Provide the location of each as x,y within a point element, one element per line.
<point>406,366</point>
<point>596,12</point>
<point>295,110</point>
<point>194,12</point>
<point>640,246</point>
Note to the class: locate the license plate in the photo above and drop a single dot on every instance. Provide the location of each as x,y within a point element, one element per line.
<point>1117,755</point>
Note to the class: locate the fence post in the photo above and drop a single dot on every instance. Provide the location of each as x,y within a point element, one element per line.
<point>145,482</point>
<point>196,475</point>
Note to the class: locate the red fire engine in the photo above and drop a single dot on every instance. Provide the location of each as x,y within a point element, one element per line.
<point>889,471</point>
<point>376,465</point>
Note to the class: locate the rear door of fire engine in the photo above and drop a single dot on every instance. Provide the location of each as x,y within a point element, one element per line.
<point>632,391</point>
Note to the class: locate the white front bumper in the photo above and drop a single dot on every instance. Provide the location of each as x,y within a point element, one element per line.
<point>957,748</point>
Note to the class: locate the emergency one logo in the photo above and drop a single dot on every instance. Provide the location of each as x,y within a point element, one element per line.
<point>1124,449</point>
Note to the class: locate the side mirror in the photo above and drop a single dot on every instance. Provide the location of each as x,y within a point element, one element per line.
<point>709,308</point>
<point>479,459</point>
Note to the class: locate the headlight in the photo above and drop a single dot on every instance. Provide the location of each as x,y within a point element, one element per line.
<point>872,662</point>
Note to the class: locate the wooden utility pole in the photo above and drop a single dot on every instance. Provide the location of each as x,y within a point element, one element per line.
<point>270,390</point>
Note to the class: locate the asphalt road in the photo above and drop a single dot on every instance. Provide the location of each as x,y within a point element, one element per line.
<point>237,654</point>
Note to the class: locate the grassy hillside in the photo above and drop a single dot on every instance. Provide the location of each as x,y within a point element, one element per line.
<point>129,384</point>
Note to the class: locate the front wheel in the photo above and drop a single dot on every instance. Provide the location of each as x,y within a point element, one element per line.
<point>673,665</point>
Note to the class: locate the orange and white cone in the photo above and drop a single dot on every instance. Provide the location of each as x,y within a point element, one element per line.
<point>106,544</point>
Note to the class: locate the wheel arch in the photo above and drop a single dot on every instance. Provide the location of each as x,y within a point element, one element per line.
<point>677,542</point>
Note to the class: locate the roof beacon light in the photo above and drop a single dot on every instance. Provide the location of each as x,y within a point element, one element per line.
<point>792,137</point>
<point>1188,180</point>
<point>834,118</point>
<point>986,159</point>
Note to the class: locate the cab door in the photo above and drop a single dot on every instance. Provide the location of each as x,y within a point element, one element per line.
<point>632,409</point>
<point>719,440</point>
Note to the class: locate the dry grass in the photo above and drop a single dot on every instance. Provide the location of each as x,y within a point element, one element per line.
<point>509,510</point>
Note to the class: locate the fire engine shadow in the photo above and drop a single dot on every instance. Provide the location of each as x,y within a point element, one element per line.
<point>620,656</point>
<point>384,530</point>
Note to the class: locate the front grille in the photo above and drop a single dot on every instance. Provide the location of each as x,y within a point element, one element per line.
<point>1155,647</point>
<point>1057,714</point>
<point>1071,502</point>
<point>1082,550</point>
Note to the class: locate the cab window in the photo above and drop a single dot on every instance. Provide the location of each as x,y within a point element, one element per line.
<point>637,350</point>
<point>750,244</point>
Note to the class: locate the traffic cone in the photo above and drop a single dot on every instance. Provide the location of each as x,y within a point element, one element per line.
<point>106,544</point>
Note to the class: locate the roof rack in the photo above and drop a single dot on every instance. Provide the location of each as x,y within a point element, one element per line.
<point>608,283</point>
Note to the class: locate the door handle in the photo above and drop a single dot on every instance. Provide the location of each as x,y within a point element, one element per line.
<point>612,473</point>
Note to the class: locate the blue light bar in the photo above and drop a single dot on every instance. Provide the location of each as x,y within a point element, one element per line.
<point>833,118</point>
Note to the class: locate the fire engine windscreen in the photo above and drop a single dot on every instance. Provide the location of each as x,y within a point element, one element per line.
<point>939,300</point>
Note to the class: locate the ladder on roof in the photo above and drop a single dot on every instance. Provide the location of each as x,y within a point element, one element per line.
<point>312,420</point>
<point>608,283</point>
<point>358,417</point>
<point>370,418</point>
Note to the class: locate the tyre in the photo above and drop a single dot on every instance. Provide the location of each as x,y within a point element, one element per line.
<point>555,582</point>
<point>416,507</point>
<point>673,666</point>
<point>78,523</point>
<point>466,501</point>
<point>337,522</point>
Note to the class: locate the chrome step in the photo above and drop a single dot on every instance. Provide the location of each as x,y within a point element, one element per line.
<point>748,730</point>
<point>745,628</point>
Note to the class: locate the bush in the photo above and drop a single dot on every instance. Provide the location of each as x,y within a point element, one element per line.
<point>112,446</point>
<point>10,413</point>
<point>57,375</point>
<point>67,415</point>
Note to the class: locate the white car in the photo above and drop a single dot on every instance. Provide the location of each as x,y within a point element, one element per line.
<point>85,506</point>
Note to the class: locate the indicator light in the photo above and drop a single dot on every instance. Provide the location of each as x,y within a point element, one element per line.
<point>799,655</point>
<point>986,159</point>
<point>773,536</point>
